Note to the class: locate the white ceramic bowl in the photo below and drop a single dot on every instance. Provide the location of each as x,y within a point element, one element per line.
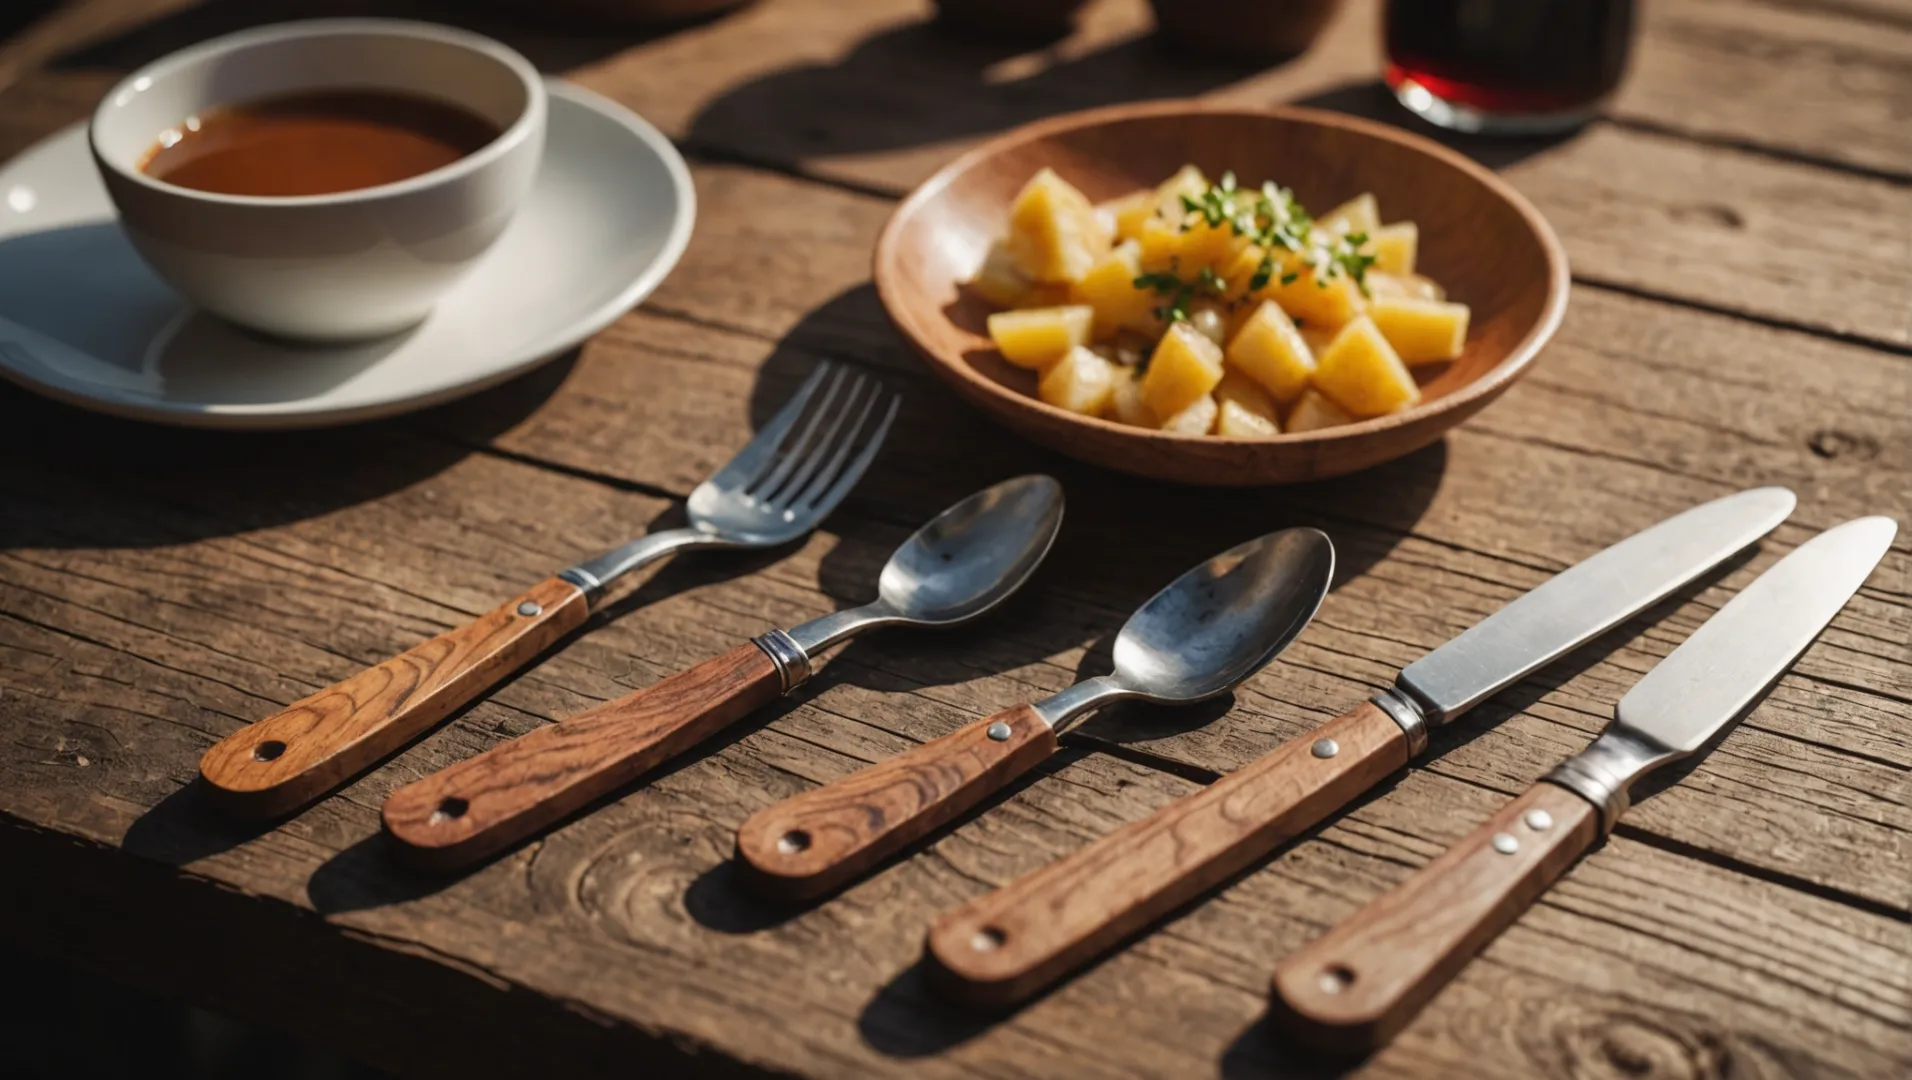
<point>351,265</point>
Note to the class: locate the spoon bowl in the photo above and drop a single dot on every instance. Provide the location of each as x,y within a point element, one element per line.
<point>968,559</point>
<point>974,554</point>
<point>1224,620</point>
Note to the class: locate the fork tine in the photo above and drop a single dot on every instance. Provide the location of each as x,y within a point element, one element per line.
<point>792,450</point>
<point>828,500</point>
<point>786,493</point>
<point>749,462</point>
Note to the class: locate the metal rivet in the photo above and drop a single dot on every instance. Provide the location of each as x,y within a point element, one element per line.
<point>988,939</point>
<point>1539,820</point>
<point>1505,843</point>
<point>1324,748</point>
<point>530,607</point>
<point>1335,979</point>
<point>999,731</point>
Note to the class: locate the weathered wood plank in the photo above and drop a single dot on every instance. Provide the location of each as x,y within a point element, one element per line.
<point>629,913</point>
<point>1400,595</point>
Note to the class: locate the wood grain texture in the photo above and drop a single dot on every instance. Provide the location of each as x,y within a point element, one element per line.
<point>310,747</point>
<point>1005,946</point>
<point>816,842</point>
<point>1355,988</point>
<point>158,591</point>
<point>506,794</point>
<point>1482,241</point>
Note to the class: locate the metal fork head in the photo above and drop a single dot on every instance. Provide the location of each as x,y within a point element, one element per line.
<point>801,464</point>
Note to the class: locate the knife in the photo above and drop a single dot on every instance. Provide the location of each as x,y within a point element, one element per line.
<point>1356,986</point>
<point>1006,945</point>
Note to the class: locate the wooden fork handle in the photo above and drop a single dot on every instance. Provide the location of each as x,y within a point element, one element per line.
<point>1359,984</point>
<point>486,803</point>
<point>315,744</point>
<point>1004,946</point>
<point>812,843</point>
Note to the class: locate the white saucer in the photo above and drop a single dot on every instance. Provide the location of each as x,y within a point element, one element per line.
<point>83,320</point>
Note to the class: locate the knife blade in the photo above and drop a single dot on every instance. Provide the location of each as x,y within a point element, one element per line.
<point>1006,945</point>
<point>1355,987</point>
<point>1586,600</point>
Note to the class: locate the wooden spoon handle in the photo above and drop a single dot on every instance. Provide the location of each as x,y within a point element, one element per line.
<point>486,803</point>
<point>1359,984</point>
<point>810,844</point>
<point>1004,946</point>
<point>315,744</point>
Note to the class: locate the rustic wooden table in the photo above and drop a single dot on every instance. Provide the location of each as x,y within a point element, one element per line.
<point>1741,234</point>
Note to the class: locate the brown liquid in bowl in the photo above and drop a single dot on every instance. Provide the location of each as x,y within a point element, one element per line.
<point>316,143</point>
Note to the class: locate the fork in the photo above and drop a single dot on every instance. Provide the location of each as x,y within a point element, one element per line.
<point>775,490</point>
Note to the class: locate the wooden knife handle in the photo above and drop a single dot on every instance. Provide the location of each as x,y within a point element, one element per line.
<point>1002,947</point>
<point>315,744</point>
<point>809,844</point>
<point>486,803</point>
<point>1359,984</point>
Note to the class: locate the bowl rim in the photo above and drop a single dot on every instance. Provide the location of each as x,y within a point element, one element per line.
<point>1476,393</point>
<point>527,125</point>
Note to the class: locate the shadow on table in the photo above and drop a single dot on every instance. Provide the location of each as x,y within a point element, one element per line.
<point>1263,1050</point>
<point>924,82</point>
<point>552,41</point>
<point>79,479</point>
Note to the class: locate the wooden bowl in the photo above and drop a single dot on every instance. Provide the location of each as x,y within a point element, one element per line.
<point>1478,237</point>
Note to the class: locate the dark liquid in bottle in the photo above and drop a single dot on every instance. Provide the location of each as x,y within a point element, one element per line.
<point>1505,57</point>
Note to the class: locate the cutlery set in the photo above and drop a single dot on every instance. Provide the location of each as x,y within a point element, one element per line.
<point>1199,637</point>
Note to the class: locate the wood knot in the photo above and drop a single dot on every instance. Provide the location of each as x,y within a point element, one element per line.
<point>1832,443</point>
<point>1625,1045</point>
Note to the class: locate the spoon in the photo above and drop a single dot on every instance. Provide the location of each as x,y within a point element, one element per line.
<point>1201,636</point>
<point>958,566</point>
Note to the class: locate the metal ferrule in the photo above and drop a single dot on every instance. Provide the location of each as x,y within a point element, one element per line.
<point>584,580</point>
<point>1606,769</point>
<point>793,664</point>
<point>1403,710</point>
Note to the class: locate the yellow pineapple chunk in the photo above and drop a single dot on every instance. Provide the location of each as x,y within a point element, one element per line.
<point>1053,231</point>
<point>1314,412</point>
<point>1127,213</point>
<point>1414,285</point>
<point>1189,181</point>
<point>1080,382</point>
<point>1161,246</point>
<point>1126,405</point>
<point>1040,336</point>
<point>1360,372</point>
<point>1269,350</point>
<point>1421,331</point>
<point>999,280</point>
<point>1185,366</point>
<point>1359,214</point>
<point>1045,294</point>
<point>1328,302</point>
<point>1242,392</point>
<point>1204,245</point>
<point>1234,421</point>
<point>1240,271</point>
<point>1393,247</point>
<point>1197,418</point>
<point>1109,288</point>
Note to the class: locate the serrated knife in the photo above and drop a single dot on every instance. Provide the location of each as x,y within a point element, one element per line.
<point>1008,944</point>
<point>1356,986</point>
